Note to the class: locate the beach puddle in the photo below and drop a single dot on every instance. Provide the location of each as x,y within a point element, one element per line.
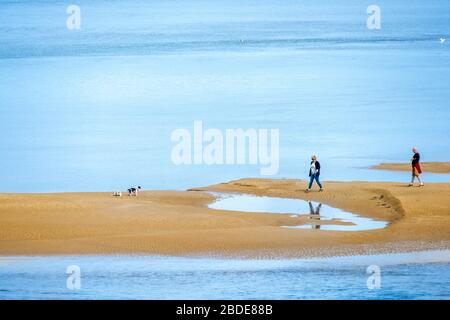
<point>320,216</point>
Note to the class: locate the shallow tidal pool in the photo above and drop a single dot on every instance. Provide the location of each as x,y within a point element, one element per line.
<point>317,212</point>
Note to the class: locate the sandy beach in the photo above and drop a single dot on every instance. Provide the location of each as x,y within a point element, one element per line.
<point>180,223</point>
<point>433,167</point>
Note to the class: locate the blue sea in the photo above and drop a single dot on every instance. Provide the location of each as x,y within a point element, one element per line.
<point>417,275</point>
<point>93,109</point>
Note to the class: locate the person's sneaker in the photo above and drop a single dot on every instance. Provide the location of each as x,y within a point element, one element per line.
<point>321,189</point>
<point>410,185</point>
<point>421,185</point>
<point>307,190</point>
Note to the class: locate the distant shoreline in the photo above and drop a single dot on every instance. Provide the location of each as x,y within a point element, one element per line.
<point>433,167</point>
<point>180,222</point>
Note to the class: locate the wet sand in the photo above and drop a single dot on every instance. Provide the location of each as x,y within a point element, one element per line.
<point>180,223</point>
<point>433,167</point>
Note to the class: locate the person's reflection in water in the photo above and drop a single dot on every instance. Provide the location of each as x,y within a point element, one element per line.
<point>314,214</point>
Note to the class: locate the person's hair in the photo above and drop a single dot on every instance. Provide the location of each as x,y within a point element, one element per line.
<point>313,157</point>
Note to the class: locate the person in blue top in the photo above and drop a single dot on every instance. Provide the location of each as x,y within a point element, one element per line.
<point>314,173</point>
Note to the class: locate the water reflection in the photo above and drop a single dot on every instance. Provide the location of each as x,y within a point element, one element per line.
<point>336,219</point>
<point>314,215</point>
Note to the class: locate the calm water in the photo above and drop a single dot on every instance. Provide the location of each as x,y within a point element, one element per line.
<point>94,109</point>
<point>317,212</point>
<point>423,275</point>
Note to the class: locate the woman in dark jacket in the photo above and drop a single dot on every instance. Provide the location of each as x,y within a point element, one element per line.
<point>314,173</point>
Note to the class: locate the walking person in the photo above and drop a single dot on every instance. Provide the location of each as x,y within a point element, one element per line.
<point>314,173</point>
<point>416,170</point>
